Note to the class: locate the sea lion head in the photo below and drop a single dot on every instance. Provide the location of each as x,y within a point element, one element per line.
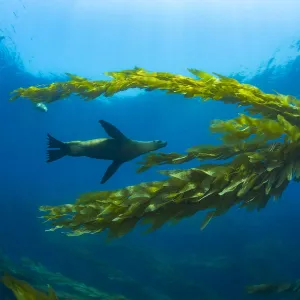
<point>157,144</point>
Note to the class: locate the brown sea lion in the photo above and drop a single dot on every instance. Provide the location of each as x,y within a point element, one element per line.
<point>118,148</point>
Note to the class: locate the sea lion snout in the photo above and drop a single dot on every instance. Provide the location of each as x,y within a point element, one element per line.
<point>160,144</point>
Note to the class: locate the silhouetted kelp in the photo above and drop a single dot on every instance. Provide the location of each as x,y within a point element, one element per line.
<point>291,288</point>
<point>24,291</point>
<point>263,146</point>
<point>30,280</point>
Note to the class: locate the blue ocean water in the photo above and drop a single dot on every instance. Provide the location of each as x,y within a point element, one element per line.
<point>176,262</point>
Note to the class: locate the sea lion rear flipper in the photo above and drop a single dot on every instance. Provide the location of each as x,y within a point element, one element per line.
<point>112,131</point>
<point>111,170</point>
<point>61,149</point>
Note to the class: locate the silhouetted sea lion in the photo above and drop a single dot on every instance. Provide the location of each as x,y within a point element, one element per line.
<point>118,148</point>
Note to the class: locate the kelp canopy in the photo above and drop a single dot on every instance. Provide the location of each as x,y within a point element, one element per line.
<point>263,145</point>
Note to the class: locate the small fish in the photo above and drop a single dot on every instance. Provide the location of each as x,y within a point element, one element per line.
<point>118,148</point>
<point>41,106</point>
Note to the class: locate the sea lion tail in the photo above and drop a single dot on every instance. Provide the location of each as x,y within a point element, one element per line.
<point>62,150</point>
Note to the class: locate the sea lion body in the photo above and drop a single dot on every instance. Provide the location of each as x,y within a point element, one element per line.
<point>118,148</point>
<point>109,149</point>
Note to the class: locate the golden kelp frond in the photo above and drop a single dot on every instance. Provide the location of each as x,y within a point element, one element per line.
<point>61,90</point>
<point>201,152</point>
<point>267,289</point>
<point>240,135</point>
<point>76,290</point>
<point>40,278</point>
<point>259,170</point>
<point>250,180</point>
<point>263,130</point>
<point>24,291</point>
<point>160,158</point>
<point>206,86</point>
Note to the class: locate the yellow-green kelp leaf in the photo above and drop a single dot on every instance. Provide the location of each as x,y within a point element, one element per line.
<point>260,129</point>
<point>201,152</point>
<point>249,181</point>
<point>262,144</point>
<point>24,291</point>
<point>206,86</point>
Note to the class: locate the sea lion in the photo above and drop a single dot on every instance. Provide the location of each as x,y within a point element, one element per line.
<point>118,148</point>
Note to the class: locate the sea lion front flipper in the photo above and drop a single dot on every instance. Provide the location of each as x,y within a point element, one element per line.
<point>111,170</point>
<point>112,131</point>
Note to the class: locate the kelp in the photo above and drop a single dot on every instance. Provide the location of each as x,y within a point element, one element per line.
<point>262,145</point>
<point>76,290</point>
<point>249,181</point>
<point>289,288</point>
<point>221,152</point>
<point>40,279</point>
<point>240,135</point>
<point>24,291</point>
<point>206,86</point>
